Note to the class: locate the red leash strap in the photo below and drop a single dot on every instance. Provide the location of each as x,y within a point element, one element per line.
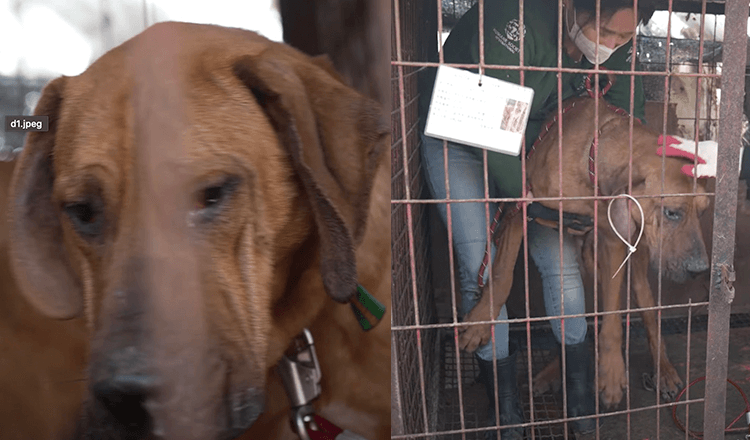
<point>590,88</point>
<point>496,220</point>
<point>547,127</point>
<point>322,429</point>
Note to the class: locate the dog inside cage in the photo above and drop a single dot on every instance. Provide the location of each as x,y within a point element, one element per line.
<point>581,279</point>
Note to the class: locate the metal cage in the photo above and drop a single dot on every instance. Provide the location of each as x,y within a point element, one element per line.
<point>435,393</point>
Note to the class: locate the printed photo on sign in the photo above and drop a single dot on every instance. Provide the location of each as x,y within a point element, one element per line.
<point>514,116</point>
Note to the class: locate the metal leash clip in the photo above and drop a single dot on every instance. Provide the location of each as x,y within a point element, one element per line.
<point>300,373</point>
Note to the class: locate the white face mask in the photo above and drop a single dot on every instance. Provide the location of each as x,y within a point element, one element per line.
<point>587,46</point>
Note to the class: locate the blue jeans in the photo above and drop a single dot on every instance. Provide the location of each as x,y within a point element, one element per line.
<point>469,220</point>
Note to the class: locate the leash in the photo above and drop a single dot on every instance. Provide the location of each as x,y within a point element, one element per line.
<point>518,205</point>
<point>699,434</point>
<point>300,373</point>
<point>590,87</point>
<point>576,222</point>
<point>594,149</point>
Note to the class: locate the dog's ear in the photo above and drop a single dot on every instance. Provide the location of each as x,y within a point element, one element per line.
<point>625,216</point>
<point>336,139</point>
<point>38,256</point>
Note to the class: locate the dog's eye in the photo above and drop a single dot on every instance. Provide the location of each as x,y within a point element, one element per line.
<point>674,215</point>
<point>86,217</point>
<point>212,197</point>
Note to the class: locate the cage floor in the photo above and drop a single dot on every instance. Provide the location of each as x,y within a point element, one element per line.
<point>546,406</point>
<point>641,424</point>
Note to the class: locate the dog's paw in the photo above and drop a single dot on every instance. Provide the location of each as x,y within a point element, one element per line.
<point>670,383</point>
<point>474,336</point>
<point>548,379</point>
<point>612,379</point>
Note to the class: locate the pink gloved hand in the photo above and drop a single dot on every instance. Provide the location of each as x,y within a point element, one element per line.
<point>685,148</point>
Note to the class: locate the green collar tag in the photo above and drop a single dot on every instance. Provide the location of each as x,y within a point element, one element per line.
<point>365,305</point>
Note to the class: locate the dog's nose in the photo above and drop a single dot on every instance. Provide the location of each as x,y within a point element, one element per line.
<point>697,268</point>
<point>124,396</point>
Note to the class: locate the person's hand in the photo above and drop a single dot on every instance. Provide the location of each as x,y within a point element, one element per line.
<point>674,146</point>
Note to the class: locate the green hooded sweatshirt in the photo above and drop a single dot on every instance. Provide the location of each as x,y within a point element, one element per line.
<point>502,47</point>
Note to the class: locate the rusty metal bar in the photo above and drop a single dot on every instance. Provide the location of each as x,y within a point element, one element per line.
<point>397,405</point>
<point>725,217</point>
<point>545,318</point>
<point>536,199</point>
<point>552,421</point>
<point>410,232</point>
<point>551,69</point>
<point>687,367</point>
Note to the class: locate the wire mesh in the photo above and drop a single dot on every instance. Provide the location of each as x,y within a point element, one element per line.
<point>682,81</point>
<point>409,241</point>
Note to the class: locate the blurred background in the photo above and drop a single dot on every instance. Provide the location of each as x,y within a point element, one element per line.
<point>84,30</point>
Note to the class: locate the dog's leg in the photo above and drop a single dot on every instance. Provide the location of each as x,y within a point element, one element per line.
<point>669,380</point>
<point>612,378</point>
<point>511,235</point>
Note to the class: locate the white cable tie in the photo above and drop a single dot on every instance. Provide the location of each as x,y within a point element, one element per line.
<point>631,247</point>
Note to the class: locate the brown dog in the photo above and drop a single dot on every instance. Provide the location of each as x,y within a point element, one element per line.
<point>203,195</point>
<point>676,222</point>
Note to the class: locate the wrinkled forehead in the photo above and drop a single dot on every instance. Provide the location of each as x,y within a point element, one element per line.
<point>154,104</point>
<point>93,134</point>
<point>674,182</point>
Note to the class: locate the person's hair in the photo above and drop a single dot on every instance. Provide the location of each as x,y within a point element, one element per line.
<point>610,7</point>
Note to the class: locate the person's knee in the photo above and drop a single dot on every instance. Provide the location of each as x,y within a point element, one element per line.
<point>575,331</point>
<point>544,246</point>
<point>549,265</point>
<point>471,255</point>
<point>501,351</point>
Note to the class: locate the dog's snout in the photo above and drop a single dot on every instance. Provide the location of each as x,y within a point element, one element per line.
<point>124,397</point>
<point>698,262</point>
<point>697,269</point>
<point>126,385</point>
<point>697,265</point>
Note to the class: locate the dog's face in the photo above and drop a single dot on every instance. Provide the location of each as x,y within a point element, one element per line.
<point>671,226</point>
<point>182,193</point>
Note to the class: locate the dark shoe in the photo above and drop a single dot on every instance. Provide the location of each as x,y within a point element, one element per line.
<point>507,395</point>
<point>580,393</point>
